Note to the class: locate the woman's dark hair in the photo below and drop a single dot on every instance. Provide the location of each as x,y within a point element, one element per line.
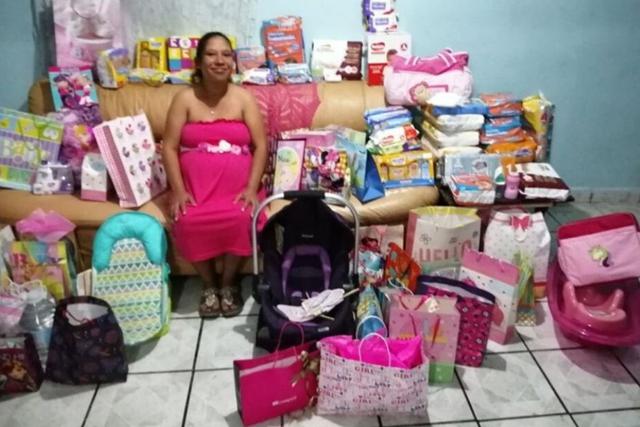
<point>196,76</point>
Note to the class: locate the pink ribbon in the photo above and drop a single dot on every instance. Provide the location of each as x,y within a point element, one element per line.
<point>522,223</point>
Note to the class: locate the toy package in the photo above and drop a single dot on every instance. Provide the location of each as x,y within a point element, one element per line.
<point>408,169</point>
<point>94,178</point>
<point>282,38</point>
<point>181,52</point>
<point>289,159</point>
<point>250,57</point>
<point>335,60</point>
<point>152,53</point>
<point>73,88</point>
<point>25,141</point>
<point>53,178</point>
<point>113,67</point>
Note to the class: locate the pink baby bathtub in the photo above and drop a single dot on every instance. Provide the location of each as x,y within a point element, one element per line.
<point>593,287</point>
<point>626,333</point>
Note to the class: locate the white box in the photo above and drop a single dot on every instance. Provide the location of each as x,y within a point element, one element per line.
<point>336,60</point>
<point>94,178</point>
<point>379,46</point>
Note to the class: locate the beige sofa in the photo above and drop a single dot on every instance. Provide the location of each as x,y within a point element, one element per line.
<point>340,103</point>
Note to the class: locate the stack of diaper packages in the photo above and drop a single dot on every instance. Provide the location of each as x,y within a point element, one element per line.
<point>502,133</point>
<point>451,120</point>
<point>396,149</point>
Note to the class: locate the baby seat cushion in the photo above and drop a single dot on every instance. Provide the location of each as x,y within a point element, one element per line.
<point>130,273</point>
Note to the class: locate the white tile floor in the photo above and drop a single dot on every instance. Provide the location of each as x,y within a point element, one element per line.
<point>540,379</point>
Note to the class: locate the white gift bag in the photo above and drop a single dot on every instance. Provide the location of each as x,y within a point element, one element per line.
<point>439,233</point>
<point>515,231</point>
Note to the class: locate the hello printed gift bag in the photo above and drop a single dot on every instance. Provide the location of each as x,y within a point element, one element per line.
<point>372,376</point>
<point>438,233</point>
<point>437,321</point>
<point>502,279</point>
<point>132,159</point>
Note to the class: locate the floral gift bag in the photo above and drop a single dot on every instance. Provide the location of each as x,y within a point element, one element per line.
<point>132,159</point>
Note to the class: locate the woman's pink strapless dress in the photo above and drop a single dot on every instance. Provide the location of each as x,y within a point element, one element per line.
<point>216,225</point>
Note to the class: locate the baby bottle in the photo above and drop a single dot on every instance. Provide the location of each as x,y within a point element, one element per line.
<point>512,185</point>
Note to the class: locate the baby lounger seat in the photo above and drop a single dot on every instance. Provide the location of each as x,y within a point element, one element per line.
<point>593,287</point>
<point>130,272</point>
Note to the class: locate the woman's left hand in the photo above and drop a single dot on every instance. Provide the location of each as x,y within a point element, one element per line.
<point>248,198</point>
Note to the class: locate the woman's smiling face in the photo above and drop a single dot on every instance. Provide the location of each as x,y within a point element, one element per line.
<point>217,60</point>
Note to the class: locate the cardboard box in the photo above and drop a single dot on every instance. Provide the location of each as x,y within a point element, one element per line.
<point>380,46</point>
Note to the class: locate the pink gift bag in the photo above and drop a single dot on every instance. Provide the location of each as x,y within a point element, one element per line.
<point>84,28</point>
<point>355,380</point>
<point>132,159</point>
<point>276,384</point>
<point>500,278</point>
<point>437,321</point>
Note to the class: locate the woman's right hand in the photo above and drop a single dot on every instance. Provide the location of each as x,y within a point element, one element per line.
<point>179,204</point>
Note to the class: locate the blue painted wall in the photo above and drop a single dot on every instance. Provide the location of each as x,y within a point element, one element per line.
<point>583,54</point>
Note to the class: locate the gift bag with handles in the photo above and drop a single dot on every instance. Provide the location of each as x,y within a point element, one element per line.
<point>476,311</point>
<point>514,231</point>
<point>84,28</point>
<point>289,375</point>
<point>438,233</point>
<point>132,159</point>
<point>502,279</point>
<point>437,321</point>
<point>372,376</point>
<point>87,346</point>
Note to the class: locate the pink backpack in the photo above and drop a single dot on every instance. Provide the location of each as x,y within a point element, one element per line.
<point>600,249</point>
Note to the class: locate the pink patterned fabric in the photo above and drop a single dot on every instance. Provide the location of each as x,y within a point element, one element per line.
<point>286,107</point>
<point>215,225</point>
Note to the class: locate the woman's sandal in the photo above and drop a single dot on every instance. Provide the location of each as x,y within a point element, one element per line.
<point>230,301</point>
<point>209,303</point>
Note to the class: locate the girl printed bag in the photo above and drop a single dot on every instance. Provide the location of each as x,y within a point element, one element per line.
<point>387,376</point>
<point>87,346</point>
<point>132,159</point>
<point>476,312</point>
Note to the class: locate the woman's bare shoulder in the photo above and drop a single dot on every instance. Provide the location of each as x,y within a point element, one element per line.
<point>241,93</point>
<point>184,96</point>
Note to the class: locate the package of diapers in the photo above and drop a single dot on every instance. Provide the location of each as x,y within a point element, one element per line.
<point>455,123</point>
<point>442,139</point>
